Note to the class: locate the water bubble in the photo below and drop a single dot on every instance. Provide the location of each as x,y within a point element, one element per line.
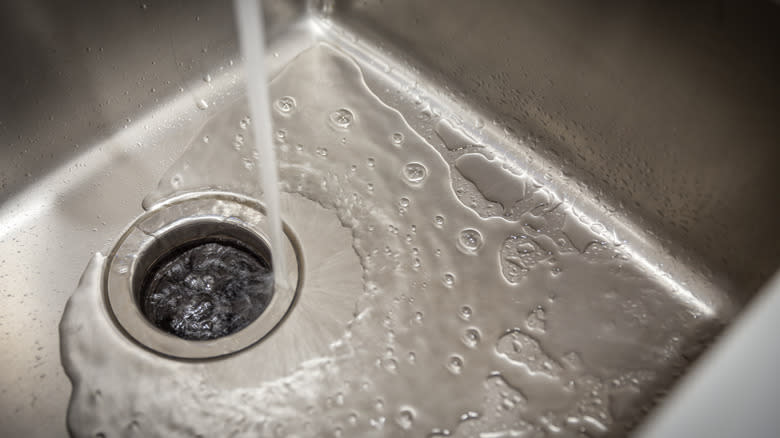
<point>455,364</point>
<point>371,162</point>
<point>471,337</point>
<point>370,187</point>
<point>202,104</point>
<point>323,152</point>
<point>352,419</point>
<point>207,78</point>
<point>176,181</point>
<point>205,139</point>
<point>341,118</point>
<point>415,172</point>
<point>405,419</point>
<point>404,202</point>
<point>285,105</point>
<point>438,221</point>
<point>416,263</point>
<point>243,123</point>
<point>465,313</point>
<point>449,279</point>
<point>470,240</point>
<point>281,135</point>
<point>397,139</point>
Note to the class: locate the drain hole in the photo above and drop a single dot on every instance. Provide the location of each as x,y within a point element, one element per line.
<point>206,290</point>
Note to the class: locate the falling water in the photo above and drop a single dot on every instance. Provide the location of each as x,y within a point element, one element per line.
<point>249,18</point>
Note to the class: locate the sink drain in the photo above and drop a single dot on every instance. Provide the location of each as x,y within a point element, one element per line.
<point>193,277</point>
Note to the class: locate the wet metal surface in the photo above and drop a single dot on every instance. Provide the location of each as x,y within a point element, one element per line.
<point>656,125</point>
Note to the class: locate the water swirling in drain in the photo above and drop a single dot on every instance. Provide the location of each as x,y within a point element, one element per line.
<point>207,291</point>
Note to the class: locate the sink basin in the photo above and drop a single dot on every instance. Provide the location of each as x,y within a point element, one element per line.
<point>627,154</point>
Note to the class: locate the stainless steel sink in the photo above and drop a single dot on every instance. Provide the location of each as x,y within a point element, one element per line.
<point>654,124</point>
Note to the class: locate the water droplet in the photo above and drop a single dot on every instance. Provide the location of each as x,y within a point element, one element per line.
<point>371,162</point>
<point>449,279</point>
<point>470,240</point>
<point>455,364</point>
<point>390,365</point>
<point>404,202</point>
<point>205,139</point>
<point>341,118</point>
<point>405,419</point>
<point>243,123</point>
<point>239,139</point>
<point>281,135</point>
<point>471,337</point>
<point>536,319</point>
<point>323,152</point>
<point>438,221</point>
<point>465,313</point>
<point>285,105</point>
<point>418,317</point>
<point>370,187</point>
<point>202,104</point>
<point>207,78</point>
<point>176,181</point>
<point>415,172</point>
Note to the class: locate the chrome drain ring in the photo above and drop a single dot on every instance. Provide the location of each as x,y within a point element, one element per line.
<point>181,221</point>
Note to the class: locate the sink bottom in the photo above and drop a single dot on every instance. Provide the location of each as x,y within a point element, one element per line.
<point>457,288</point>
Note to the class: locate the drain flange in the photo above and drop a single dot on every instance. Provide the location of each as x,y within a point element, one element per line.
<point>191,278</point>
